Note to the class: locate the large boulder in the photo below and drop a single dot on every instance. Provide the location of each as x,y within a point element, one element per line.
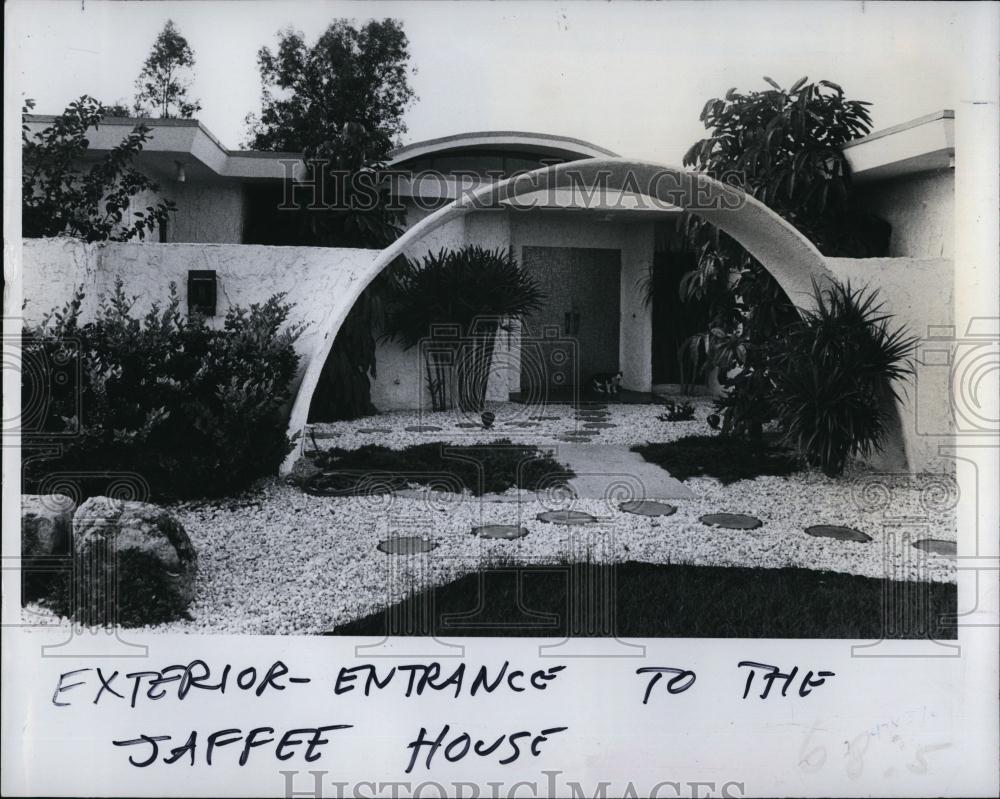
<point>46,530</point>
<point>147,552</point>
<point>46,525</point>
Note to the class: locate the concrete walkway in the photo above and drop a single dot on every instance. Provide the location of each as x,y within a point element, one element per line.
<point>601,469</point>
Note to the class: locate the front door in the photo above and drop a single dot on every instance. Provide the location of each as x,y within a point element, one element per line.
<point>576,332</point>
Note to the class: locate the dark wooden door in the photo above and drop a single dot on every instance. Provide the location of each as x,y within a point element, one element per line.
<point>576,332</point>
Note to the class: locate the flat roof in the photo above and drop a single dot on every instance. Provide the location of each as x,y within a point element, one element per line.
<point>918,145</point>
<point>923,144</point>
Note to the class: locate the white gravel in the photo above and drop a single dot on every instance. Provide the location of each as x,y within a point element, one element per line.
<point>636,424</point>
<point>278,561</point>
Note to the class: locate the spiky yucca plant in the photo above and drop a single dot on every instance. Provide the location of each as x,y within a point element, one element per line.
<point>835,373</point>
<point>476,292</point>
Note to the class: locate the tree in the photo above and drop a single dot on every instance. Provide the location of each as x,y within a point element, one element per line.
<point>340,102</point>
<point>343,96</point>
<point>783,147</point>
<point>481,292</point>
<point>163,84</point>
<point>59,196</point>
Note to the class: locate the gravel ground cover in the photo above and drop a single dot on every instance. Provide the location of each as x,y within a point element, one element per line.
<point>278,561</point>
<point>635,424</point>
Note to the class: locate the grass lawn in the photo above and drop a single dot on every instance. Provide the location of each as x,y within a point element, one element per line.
<point>677,601</point>
<point>726,458</point>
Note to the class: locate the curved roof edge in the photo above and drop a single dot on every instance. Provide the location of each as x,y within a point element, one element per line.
<point>545,143</point>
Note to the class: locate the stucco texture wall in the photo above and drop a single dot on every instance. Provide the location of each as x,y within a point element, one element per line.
<point>312,277</point>
<point>207,213</point>
<point>921,210</point>
<point>919,293</point>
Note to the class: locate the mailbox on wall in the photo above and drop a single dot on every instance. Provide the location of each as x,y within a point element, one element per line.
<point>202,291</point>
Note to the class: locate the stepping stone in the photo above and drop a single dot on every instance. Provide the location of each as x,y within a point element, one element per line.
<point>937,546</point>
<point>599,425</point>
<point>731,521</point>
<point>839,532</point>
<point>504,531</point>
<point>566,517</point>
<point>545,418</point>
<point>648,507</point>
<point>374,430</point>
<point>575,438</point>
<point>521,424</point>
<point>424,493</point>
<point>319,436</point>
<point>406,545</point>
<point>469,425</point>
<point>422,428</point>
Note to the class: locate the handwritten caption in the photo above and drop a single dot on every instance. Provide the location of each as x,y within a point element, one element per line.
<point>185,682</point>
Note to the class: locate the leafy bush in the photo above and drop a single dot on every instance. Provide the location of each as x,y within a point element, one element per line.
<point>194,411</point>
<point>677,412</point>
<point>60,197</point>
<point>374,468</point>
<point>725,458</point>
<point>783,146</point>
<point>145,594</point>
<point>478,291</point>
<point>834,375</point>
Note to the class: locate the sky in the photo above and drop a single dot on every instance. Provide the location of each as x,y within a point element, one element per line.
<point>631,77</point>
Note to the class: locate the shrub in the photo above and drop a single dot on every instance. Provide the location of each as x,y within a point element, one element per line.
<point>677,412</point>
<point>194,411</point>
<point>144,595</point>
<point>478,291</point>
<point>726,458</point>
<point>834,374</point>
<point>478,468</point>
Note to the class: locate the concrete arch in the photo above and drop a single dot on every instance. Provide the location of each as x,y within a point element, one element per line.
<point>790,257</point>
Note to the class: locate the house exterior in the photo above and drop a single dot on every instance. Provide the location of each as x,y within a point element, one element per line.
<point>592,252</point>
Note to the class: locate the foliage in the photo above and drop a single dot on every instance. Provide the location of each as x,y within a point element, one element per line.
<point>163,84</point>
<point>146,593</point>
<point>834,374</point>
<point>479,468</point>
<point>349,75</point>
<point>340,102</point>
<point>783,147</point>
<point>60,196</point>
<point>725,458</point>
<point>472,292</point>
<point>194,411</point>
<point>677,412</point>
<point>343,390</point>
<point>674,601</point>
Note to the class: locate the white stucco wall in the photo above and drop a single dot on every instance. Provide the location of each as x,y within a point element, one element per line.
<point>312,277</point>
<point>919,292</point>
<point>921,210</point>
<point>207,212</point>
